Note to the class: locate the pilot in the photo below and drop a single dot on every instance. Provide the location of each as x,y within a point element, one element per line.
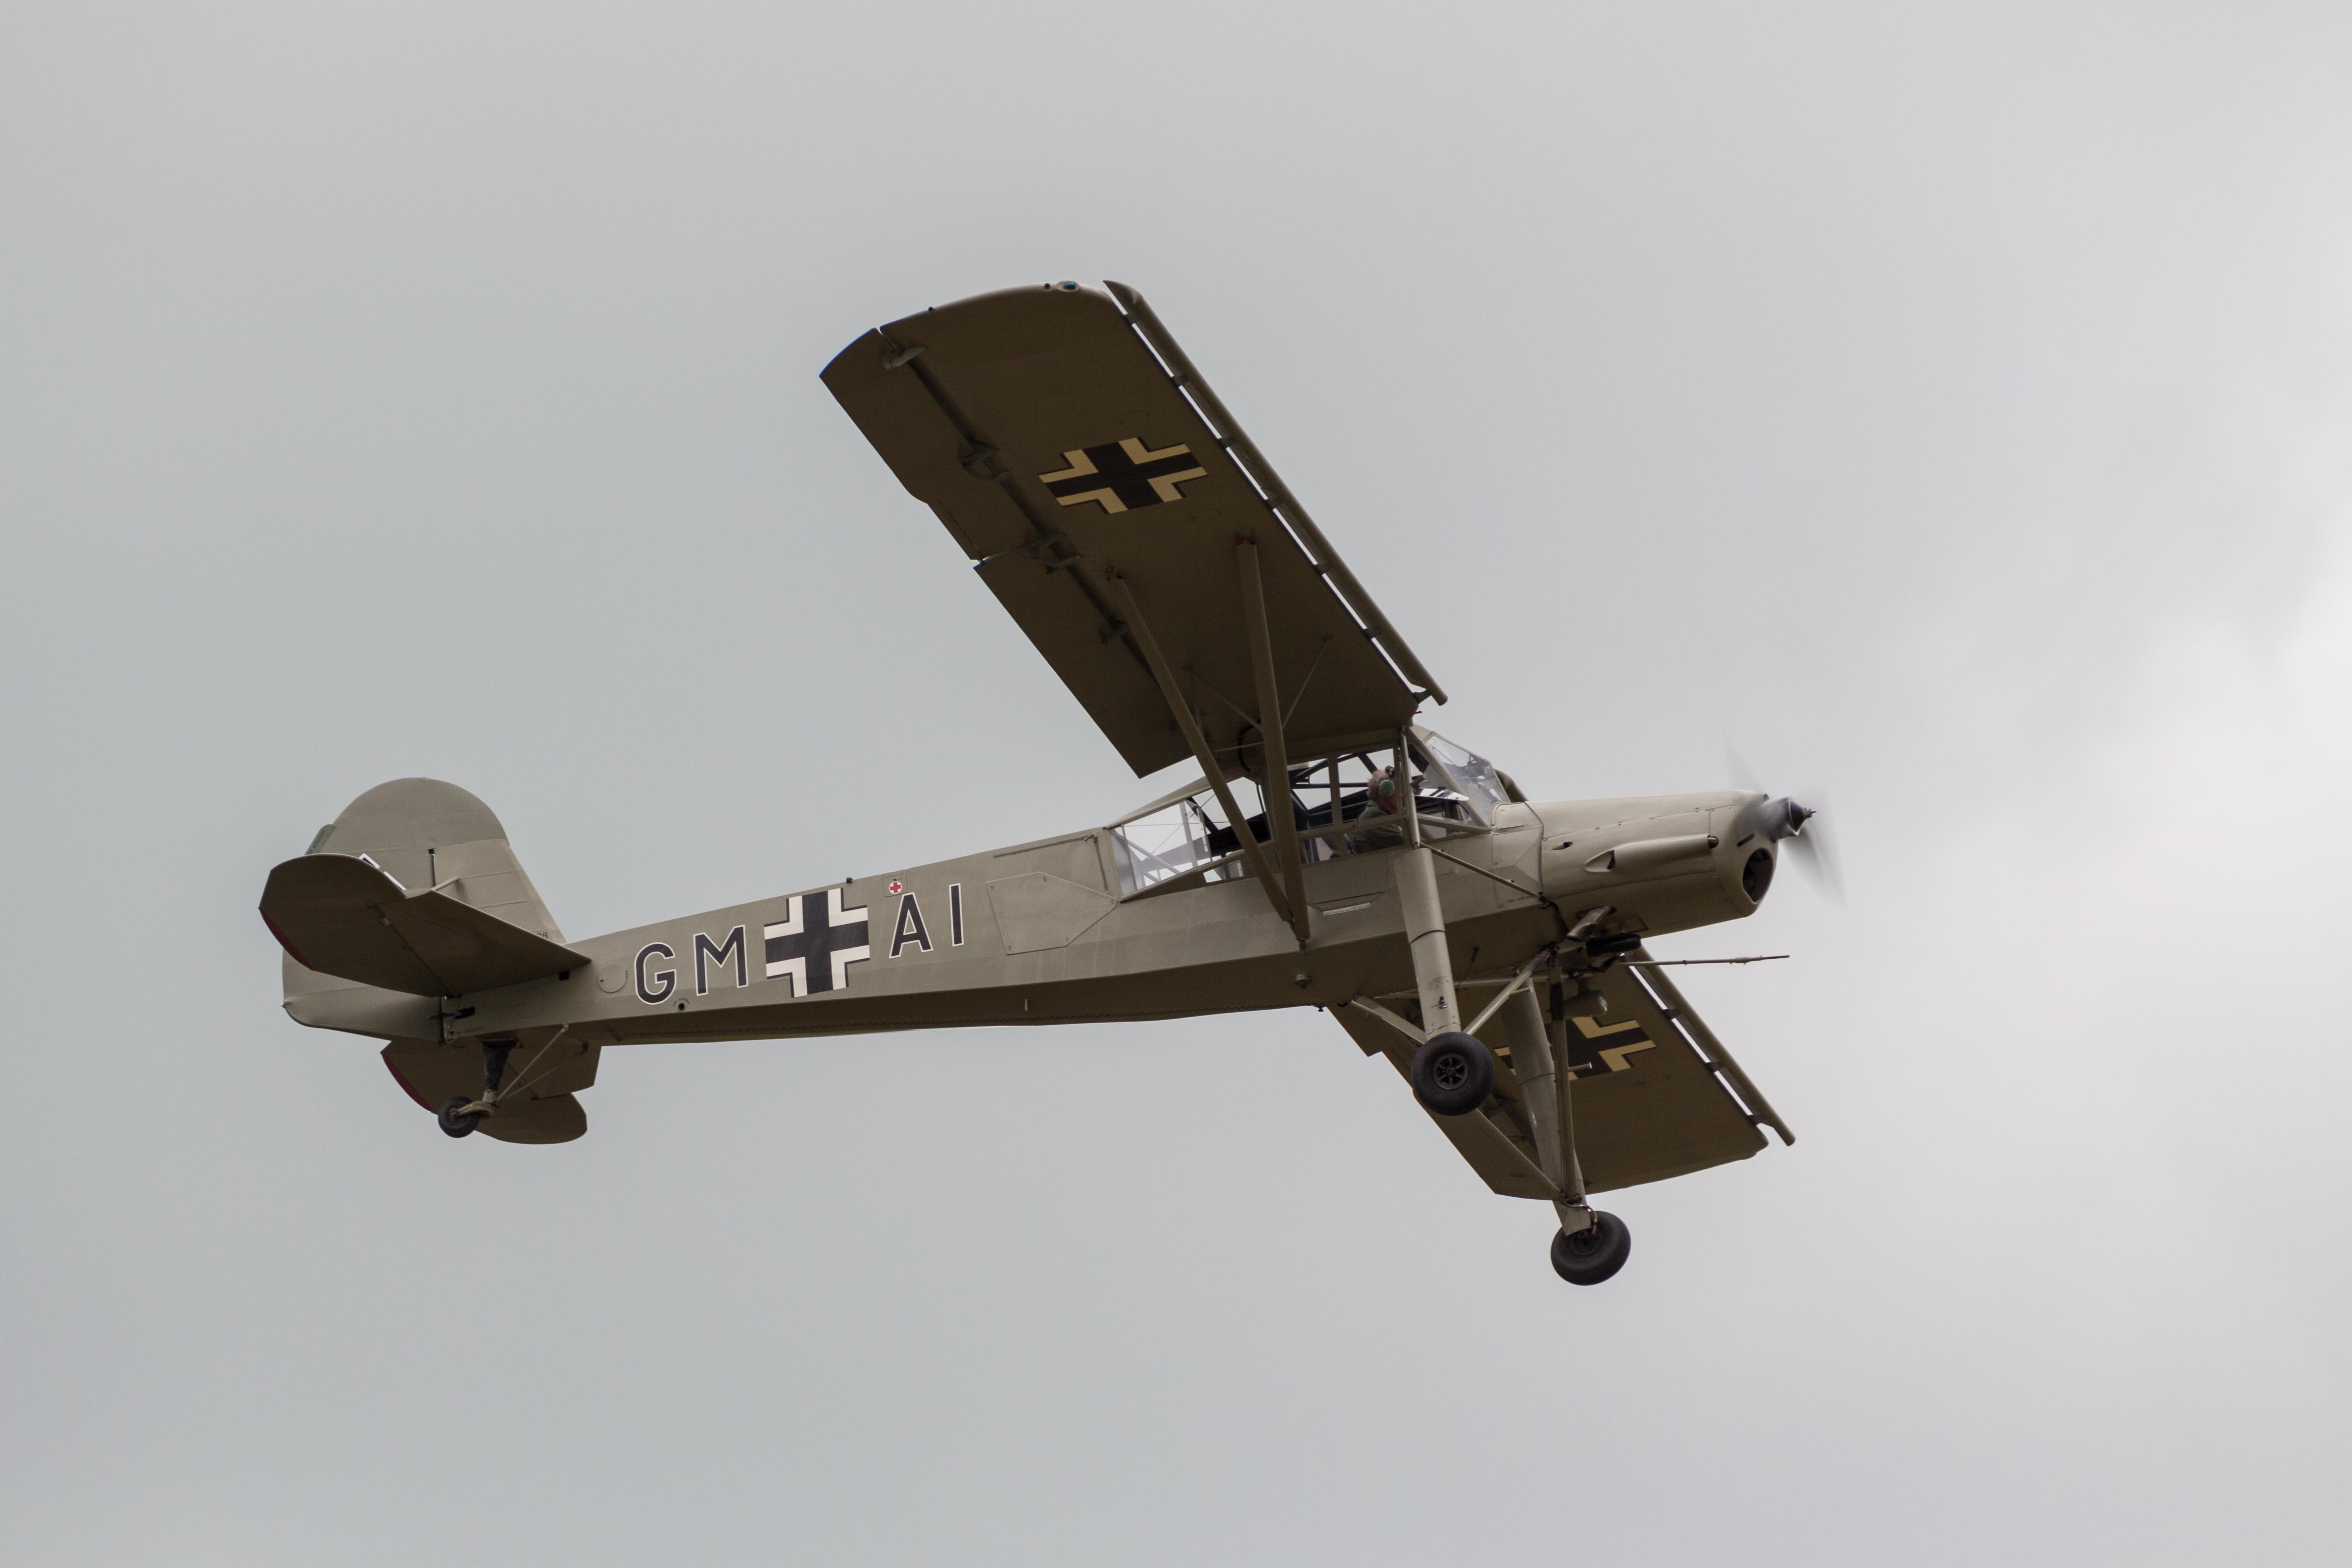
<point>1380,799</point>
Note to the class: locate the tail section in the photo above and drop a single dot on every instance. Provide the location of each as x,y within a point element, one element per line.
<point>423,833</point>
<point>343,915</point>
<point>413,888</point>
<point>540,1108</point>
<point>412,895</point>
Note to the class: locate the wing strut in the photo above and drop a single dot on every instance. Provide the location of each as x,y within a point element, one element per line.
<point>1416,870</point>
<point>1277,495</point>
<point>1275,787</point>
<point>1149,646</point>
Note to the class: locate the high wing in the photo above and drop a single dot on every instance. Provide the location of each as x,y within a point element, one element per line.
<point>1110,503</point>
<point>1654,1093</point>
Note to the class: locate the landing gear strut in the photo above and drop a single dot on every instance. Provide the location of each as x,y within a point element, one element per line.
<point>1453,1073</point>
<point>1590,1245</point>
<point>461,1116</point>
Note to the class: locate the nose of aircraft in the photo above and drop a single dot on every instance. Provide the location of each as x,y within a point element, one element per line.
<point>1807,839</point>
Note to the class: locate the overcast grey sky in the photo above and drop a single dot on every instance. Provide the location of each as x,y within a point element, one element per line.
<point>1948,408</point>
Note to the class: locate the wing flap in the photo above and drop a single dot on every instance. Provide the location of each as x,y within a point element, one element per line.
<point>340,915</point>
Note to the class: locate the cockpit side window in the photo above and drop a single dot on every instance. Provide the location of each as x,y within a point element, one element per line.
<point>1182,833</point>
<point>1351,803</point>
<point>1168,842</point>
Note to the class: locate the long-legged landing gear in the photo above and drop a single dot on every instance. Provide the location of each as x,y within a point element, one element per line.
<point>1590,1245</point>
<point>1453,1072</point>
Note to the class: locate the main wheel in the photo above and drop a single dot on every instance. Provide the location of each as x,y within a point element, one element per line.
<point>1589,1257</point>
<point>458,1126</point>
<point>1452,1074</point>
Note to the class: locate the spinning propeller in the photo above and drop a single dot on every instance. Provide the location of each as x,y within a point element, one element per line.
<point>1800,827</point>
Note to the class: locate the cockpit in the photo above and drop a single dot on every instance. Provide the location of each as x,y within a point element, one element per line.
<point>1351,803</point>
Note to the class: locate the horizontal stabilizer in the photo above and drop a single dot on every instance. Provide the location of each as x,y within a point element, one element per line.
<point>340,915</point>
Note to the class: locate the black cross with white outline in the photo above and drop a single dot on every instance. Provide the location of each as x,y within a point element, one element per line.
<point>802,946</point>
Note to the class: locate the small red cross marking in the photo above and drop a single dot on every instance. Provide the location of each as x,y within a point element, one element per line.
<point>897,886</point>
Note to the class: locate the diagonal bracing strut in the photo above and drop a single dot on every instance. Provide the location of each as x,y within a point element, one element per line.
<point>1181,712</point>
<point>1275,787</point>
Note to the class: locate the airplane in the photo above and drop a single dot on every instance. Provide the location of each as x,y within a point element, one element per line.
<point>1492,948</point>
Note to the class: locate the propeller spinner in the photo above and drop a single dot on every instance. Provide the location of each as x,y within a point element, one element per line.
<point>1784,820</point>
<point>1806,836</point>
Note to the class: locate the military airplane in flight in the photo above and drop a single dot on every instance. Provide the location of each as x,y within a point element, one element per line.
<point>1332,852</point>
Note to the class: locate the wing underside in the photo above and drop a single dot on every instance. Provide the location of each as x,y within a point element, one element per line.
<point>1653,1094</point>
<point>1071,452</point>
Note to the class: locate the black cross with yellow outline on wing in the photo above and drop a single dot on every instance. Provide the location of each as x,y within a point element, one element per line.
<point>1123,474</point>
<point>1596,1045</point>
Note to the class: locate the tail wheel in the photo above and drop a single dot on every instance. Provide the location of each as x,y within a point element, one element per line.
<point>1452,1074</point>
<point>1589,1256</point>
<point>458,1126</point>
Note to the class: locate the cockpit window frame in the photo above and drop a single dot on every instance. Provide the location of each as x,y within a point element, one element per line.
<point>1450,797</point>
<point>1462,780</point>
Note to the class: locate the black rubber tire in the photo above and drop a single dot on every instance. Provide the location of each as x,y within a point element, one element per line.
<point>1453,1073</point>
<point>458,1126</point>
<point>1589,1257</point>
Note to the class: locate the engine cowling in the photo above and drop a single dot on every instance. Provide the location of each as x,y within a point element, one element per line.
<point>1664,862</point>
